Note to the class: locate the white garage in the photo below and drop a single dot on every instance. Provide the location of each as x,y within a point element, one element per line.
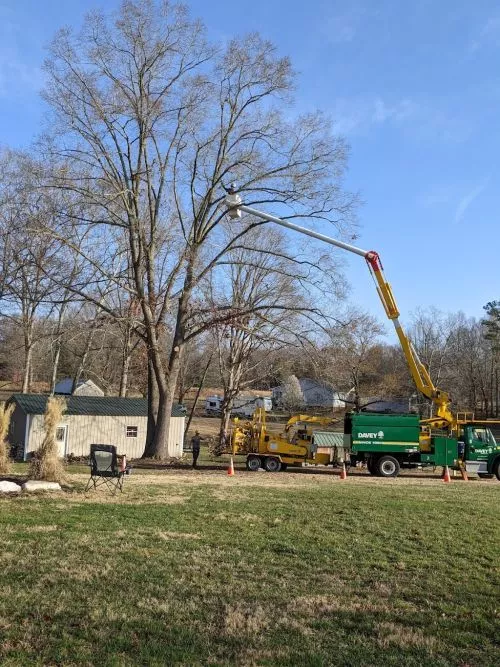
<point>89,419</point>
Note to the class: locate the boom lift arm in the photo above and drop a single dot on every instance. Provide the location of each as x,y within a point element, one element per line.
<point>308,419</point>
<point>420,374</point>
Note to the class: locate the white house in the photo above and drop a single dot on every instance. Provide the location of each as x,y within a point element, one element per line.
<point>89,420</point>
<point>316,394</point>
<point>83,388</point>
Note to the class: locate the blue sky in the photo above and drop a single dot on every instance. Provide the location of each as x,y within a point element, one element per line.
<point>414,85</point>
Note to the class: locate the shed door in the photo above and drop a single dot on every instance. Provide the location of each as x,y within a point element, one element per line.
<point>61,437</point>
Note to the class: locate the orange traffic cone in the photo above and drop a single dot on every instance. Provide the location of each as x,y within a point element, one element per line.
<point>343,473</point>
<point>230,470</point>
<point>446,474</point>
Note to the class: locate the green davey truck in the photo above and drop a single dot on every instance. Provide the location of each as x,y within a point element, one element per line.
<point>388,442</point>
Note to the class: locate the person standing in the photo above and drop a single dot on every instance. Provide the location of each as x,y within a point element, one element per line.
<point>195,446</point>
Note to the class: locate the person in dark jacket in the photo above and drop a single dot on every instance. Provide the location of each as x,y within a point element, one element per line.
<point>195,446</point>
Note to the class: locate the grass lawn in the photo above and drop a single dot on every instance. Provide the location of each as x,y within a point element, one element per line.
<point>194,567</point>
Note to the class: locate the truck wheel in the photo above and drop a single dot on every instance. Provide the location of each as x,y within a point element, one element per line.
<point>388,466</point>
<point>272,464</point>
<point>496,469</point>
<point>253,463</point>
<point>372,466</point>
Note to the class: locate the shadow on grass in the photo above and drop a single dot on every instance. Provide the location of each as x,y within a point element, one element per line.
<point>13,478</point>
<point>357,637</point>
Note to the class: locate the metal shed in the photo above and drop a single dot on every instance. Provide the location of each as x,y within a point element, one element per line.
<point>89,419</point>
<point>328,442</point>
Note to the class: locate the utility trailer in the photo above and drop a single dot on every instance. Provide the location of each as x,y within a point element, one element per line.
<point>243,406</point>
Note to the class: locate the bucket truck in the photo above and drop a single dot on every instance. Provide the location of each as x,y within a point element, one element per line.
<point>387,442</point>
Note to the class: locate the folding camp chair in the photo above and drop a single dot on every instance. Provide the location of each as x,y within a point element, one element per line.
<point>104,468</point>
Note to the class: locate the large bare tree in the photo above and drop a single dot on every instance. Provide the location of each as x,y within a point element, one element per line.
<point>149,122</point>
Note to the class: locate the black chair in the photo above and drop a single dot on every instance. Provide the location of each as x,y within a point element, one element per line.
<point>104,468</point>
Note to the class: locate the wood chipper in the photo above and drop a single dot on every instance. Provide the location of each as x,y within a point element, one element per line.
<point>275,452</point>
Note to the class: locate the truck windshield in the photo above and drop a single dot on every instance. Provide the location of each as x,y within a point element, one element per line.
<point>483,435</point>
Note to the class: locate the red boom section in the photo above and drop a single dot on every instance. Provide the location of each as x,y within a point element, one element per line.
<point>373,259</point>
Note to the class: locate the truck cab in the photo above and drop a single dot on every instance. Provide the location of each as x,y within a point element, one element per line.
<point>479,450</point>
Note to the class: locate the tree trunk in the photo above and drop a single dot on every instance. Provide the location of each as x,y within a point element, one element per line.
<point>357,397</point>
<point>79,371</point>
<point>58,345</point>
<point>160,401</point>
<point>198,392</point>
<point>165,408</point>
<point>28,360</point>
<point>55,365</point>
<point>168,385</point>
<point>125,372</point>
<point>492,384</point>
<point>161,433</point>
<point>182,388</point>
<point>496,392</point>
<point>224,430</point>
<point>153,401</point>
<point>83,360</point>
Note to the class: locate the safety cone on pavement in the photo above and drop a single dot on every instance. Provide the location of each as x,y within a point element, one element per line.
<point>446,474</point>
<point>230,470</point>
<point>343,473</point>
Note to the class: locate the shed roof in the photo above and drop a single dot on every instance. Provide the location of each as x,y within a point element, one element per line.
<point>102,406</point>
<point>328,439</point>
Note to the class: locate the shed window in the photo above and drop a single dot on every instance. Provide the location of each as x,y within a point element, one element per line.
<point>131,431</point>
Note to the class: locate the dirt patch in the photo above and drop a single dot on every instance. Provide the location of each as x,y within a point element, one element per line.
<point>171,535</point>
<point>243,618</point>
<point>40,529</point>
<point>397,634</point>
<point>28,529</point>
<point>318,605</point>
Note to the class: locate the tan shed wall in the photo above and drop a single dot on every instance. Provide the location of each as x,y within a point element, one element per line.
<point>84,430</point>
<point>176,436</point>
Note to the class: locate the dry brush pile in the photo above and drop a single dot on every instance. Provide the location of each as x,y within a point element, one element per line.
<point>5,415</point>
<point>46,463</point>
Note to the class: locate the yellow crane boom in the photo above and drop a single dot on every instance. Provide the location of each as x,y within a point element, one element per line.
<point>309,419</point>
<point>423,381</point>
<point>419,373</point>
